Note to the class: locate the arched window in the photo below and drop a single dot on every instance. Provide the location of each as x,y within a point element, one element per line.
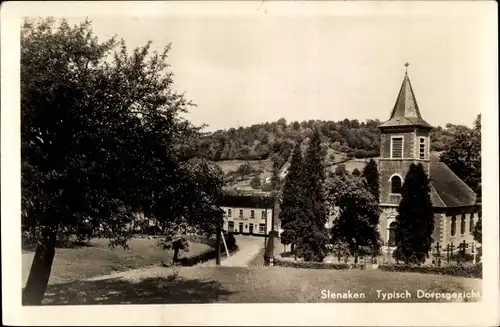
<point>392,234</point>
<point>462,224</point>
<point>471,223</point>
<point>396,184</point>
<point>453,225</point>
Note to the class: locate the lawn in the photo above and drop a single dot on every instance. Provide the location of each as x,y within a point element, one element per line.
<point>249,285</point>
<point>97,259</point>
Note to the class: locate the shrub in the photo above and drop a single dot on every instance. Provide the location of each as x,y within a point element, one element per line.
<point>475,271</point>
<point>316,265</point>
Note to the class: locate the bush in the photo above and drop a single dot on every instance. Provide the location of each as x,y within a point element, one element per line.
<point>475,271</point>
<point>316,265</point>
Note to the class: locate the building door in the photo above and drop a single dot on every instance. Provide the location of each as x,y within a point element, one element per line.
<point>250,228</point>
<point>241,227</point>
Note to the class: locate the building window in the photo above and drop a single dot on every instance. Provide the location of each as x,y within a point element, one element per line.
<point>392,234</point>
<point>229,213</point>
<point>241,213</point>
<point>471,223</point>
<point>397,147</point>
<point>453,225</point>
<point>396,184</point>
<point>230,226</point>
<point>252,214</point>
<point>264,214</point>
<point>462,224</point>
<point>262,228</point>
<point>422,148</point>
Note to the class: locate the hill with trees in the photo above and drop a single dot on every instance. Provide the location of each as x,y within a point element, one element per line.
<point>275,140</point>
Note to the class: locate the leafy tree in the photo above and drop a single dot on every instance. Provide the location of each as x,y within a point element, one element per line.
<point>255,182</point>
<point>464,156</point>
<point>244,170</point>
<point>357,223</point>
<point>341,170</point>
<point>102,139</point>
<point>371,175</point>
<point>415,220</point>
<point>356,172</point>
<point>314,237</point>
<point>288,236</point>
<point>478,231</point>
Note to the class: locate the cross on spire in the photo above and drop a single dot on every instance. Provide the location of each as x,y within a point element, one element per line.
<point>406,67</point>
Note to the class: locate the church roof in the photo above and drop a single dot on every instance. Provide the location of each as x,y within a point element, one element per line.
<point>405,111</point>
<point>447,189</point>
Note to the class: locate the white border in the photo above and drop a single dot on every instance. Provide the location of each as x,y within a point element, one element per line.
<point>484,313</point>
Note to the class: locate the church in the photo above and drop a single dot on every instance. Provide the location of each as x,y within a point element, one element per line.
<point>405,139</point>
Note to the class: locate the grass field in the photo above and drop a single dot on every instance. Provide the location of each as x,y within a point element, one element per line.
<point>250,285</point>
<point>98,259</point>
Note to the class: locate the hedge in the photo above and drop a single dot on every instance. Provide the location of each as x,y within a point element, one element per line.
<point>315,265</point>
<point>475,271</point>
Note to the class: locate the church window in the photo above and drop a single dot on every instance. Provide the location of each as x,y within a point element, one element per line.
<point>392,234</point>
<point>471,223</point>
<point>397,147</point>
<point>462,224</point>
<point>422,148</point>
<point>453,225</point>
<point>396,184</point>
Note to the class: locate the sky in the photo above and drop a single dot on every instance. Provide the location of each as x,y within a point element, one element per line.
<point>247,69</point>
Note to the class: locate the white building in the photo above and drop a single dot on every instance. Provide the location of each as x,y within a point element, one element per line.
<point>248,214</point>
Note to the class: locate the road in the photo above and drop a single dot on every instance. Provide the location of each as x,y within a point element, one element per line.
<point>248,248</point>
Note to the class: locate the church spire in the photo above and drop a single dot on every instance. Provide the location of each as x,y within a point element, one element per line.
<point>406,111</point>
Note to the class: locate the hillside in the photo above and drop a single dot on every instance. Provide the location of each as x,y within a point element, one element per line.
<point>267,146</point>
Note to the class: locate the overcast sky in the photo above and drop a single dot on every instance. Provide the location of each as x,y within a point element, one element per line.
<point>248,69</point>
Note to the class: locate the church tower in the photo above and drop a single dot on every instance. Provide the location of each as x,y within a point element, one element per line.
<point>404,140</point>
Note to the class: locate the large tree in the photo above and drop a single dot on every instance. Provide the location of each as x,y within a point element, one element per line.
<point>103,138</point>
<point>357,223</point>
<point>371,175</point>
<point>415,220</point>
<point>464,156</point>
<point>314,236</point>
<point>292,200</point>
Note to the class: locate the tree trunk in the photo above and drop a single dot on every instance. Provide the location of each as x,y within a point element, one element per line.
<point>41,266</point>
<point>176,254</point>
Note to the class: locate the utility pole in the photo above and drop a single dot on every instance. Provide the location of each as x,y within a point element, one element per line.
<point>218,244</point>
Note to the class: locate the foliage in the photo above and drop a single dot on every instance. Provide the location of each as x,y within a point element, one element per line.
<point>255,182</point>
<point>315,265</point>
<point>356,172</point>
<point>340,170</point>
<point>288,236</point>
<point>244,169</point>
<point>472,271</point>
<point>313,236</point>
<point>478,231</point>
<point>415,220</point>
<point>371,175</point>
<point>274,140</point>
<point>359,213</point>
<point>103,138</point>
<point>291,214</point>
<point>464,156</point>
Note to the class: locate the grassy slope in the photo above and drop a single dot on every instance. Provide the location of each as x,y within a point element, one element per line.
<point>99,259</point>
<point>250,285</point>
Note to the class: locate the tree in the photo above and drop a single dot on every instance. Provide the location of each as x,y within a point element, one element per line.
<point>314,237</point>
<point>102,139</point>
<point>255,182</point>
<point>371,176</point>
<point>340,170</point>
<point>357,223</point>
<point>291,213</point>
<point>244,170</point>
<point>415,220</point>
<point>478,231</point>
<point>356,172</point>
<point>464,156</point>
